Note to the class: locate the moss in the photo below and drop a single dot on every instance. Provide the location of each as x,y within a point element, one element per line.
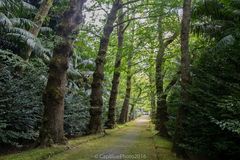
<point>56,92</point>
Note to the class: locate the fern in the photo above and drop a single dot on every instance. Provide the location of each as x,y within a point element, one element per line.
<point>14,28</point>
<point>218,20</point>
<point>224,43</point>
<point>22,22</point>
<point>4,20</point>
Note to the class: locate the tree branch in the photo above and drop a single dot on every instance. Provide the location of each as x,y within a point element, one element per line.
<point>135,18</point>
<point>169,40</point>
<point>130,2</point>
<point>172,82</point>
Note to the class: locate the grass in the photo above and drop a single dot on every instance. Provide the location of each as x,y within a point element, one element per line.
<point>90,150</point>
<point>146,145</point>
<point>163,146</point>
<point>153,146</point>
<point>36,154</point>
<point>45,153</point>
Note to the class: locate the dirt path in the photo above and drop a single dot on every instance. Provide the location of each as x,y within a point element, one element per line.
<point>131,142</point>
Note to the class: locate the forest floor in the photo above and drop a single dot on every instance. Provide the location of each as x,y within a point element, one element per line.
<point>136,140</point>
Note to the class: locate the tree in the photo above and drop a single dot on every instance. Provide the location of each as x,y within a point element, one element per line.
<point>53,97</point>
<point>137,98</point>
<point>95,125</point>
<point>116,75</point>
<point>152,94</point>
<point>125,108</point>
<point>124,116</point>
<point>38,20</point>
<point>161,113</point>
<point>185,76</point>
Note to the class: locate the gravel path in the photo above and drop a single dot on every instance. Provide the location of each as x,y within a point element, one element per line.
<point>118,150</point>
<point>132,142</point>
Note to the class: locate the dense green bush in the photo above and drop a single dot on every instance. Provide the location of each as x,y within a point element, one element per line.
<point>76,116</point>
<point>212,119</point>
<point>21,101</point>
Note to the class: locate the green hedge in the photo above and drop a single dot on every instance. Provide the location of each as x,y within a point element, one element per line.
<point>21,87</point>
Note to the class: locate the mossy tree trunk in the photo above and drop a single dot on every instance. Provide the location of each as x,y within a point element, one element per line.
<point>111,122</point>
<point>185,78</point>
<point>95,125</point>
<point>52,131</point>
<point>38,20</point>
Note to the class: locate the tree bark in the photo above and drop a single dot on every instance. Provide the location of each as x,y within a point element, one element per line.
<point>111,122</point>
<point>95,125</point>
<point>39,19</point>
<point>161,115</point>
<point>152,96</point>
<point>52,131</point>
<point>131,114</point>
<point>124,112</point>
<point>124,117</point>
<point>152,84</point>
<point>185,77</point>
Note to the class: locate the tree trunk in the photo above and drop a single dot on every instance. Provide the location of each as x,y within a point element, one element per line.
<point>152,97</point>
<point>161,115</point>
<point>116,75</point>
<point>95,125</point>
<point>185,77</point>
<point>124,112</point>
<point>53,97</point>
<point>131,114</point>
<point>39,19</point>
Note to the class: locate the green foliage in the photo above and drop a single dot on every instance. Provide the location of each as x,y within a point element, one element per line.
<point>76,115</point>
<point>15,21</point>
<point>212,119</point>
<point>20,105</point>
<point>211,124</point>
<point>21,101</point>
